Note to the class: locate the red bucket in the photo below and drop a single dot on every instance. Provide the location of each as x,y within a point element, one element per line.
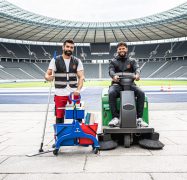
<point>88,129</point>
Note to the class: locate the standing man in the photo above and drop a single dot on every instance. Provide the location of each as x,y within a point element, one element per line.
<point>123,63</point>
<point>69,76</point>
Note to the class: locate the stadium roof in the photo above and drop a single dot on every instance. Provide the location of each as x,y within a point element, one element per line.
<point>19,24</point>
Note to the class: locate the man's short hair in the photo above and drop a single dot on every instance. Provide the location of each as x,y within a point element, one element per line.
<point>122,44</point>
<point>68,41</point>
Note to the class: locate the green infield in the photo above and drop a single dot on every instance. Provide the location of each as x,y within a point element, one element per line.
<point>96,83</point>
<point>142,83</point>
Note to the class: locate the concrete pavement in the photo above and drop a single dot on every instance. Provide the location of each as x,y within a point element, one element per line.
<point>20,134</point>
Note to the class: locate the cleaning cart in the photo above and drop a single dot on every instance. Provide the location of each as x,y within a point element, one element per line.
<point>75,133</point>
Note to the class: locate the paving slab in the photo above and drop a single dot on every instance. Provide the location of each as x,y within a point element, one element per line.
<point>170,176</point>
<point>82,176</point>
<point>3,159</point>
<point>174,150</point>
<point>121,151</point>
<point>136,164</point>
<point>2,176</point>
<point>17,150</point>
<point>43,165</point>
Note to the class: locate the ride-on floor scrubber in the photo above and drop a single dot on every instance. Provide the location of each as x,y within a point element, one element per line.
<point>129,131</point>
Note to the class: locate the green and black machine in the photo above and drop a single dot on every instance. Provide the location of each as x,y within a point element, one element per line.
<point>128,132</point>
<point>106,113</point>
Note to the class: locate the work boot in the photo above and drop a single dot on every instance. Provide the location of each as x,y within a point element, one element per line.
<point>59,120</point>
<point>141,123</point>
<point>114,122</point>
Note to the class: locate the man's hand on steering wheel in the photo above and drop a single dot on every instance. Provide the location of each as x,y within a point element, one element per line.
<point>115,78</point>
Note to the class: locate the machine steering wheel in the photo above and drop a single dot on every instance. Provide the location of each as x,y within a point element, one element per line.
<point>127,76</point>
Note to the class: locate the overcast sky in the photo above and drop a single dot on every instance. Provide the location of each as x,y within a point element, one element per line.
<point>96,10</point>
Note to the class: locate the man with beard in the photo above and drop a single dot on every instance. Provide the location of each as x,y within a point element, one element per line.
<point>122,63</point>
<point>69,76</point>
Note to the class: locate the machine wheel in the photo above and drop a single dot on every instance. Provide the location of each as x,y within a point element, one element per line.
<point>55,152</point>
<point>131,137</point>
<point>96,150</point>
<point>127,140</point>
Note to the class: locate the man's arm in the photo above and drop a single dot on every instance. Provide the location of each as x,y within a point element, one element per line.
<point>49,76</point>
<point>136,68</point>
<point>80,75</point>
<point>111,69</point>
<point>112,72</point>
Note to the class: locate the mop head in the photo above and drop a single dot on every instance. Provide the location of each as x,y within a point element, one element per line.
<point>107,145</point>
<point>151,144</point>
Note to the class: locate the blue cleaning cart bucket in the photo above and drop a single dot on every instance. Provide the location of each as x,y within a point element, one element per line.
<point>62,130</point>
<point>78,114</point>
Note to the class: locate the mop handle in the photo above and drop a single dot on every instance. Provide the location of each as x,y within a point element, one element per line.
<point>47,110</point>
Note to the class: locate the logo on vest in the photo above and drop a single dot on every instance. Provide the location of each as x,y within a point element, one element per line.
<point>74,66</point>
<point>128,66</point>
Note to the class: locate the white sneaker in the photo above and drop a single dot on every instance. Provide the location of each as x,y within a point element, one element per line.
<point>141,123</point>
<point>114,122</point>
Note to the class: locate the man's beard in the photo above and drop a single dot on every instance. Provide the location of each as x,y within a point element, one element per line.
<point>122,55</point>
<point>68,52</point>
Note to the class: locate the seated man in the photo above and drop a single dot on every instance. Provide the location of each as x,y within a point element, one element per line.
<point>123,63</point>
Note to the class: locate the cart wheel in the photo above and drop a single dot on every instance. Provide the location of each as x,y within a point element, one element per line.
<point>53,146</point>
<point>55,152</point>
<point>96,150</point>
<point>127,140</point>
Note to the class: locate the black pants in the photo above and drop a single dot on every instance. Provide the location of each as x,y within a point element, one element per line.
<point>114,93</point>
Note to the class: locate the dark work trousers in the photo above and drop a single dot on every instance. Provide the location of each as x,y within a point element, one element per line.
<point>114,93</point>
